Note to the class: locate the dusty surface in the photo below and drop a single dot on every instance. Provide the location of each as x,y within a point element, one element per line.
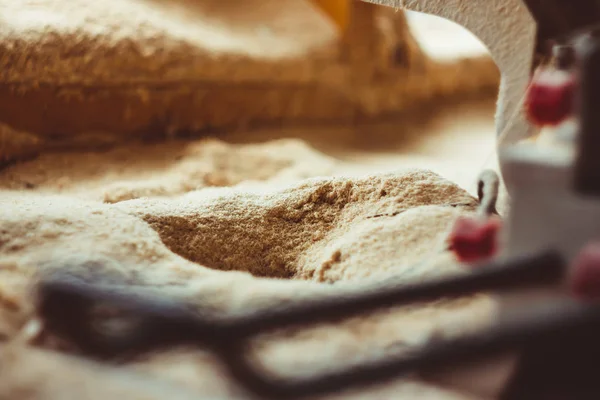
<point>213,223</point>
<point>81,74</point>
<point>250,219</point>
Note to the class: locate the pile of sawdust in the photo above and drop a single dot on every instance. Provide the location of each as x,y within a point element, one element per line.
<point>232,228</point>
<point>87,74</point>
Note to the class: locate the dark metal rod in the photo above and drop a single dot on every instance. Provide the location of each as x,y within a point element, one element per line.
<point>527,271</point>
<point>587,165</point>
<point>65,305</point>
<point>548,324</point>
<point>488,185</point>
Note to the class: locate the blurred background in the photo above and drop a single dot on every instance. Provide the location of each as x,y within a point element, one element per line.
<point>376,88</point>
<point>452,132</point>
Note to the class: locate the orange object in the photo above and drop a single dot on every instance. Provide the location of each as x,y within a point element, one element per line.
<point>337,10</point>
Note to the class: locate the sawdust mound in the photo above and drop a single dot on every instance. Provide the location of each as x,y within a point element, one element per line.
<point>315,230</point>
<point>81,74</point>
<point>251,240</point>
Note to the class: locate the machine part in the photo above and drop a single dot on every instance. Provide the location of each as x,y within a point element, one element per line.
<point>67,306</point>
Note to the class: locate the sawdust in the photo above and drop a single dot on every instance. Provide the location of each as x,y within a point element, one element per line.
<point>83,74</point>
<point>16,144</point>
<point>230,228</point>
<point>224,226</point>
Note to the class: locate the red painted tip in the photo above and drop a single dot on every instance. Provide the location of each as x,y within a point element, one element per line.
<point>585,278</point>
<point>549,99</point>
<point>475,239</point>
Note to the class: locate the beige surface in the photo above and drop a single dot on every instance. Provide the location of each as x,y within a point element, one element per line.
<point>278,209</point>
<point>241,222</point>
<point>85,74</point>
<point>456,141</point>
